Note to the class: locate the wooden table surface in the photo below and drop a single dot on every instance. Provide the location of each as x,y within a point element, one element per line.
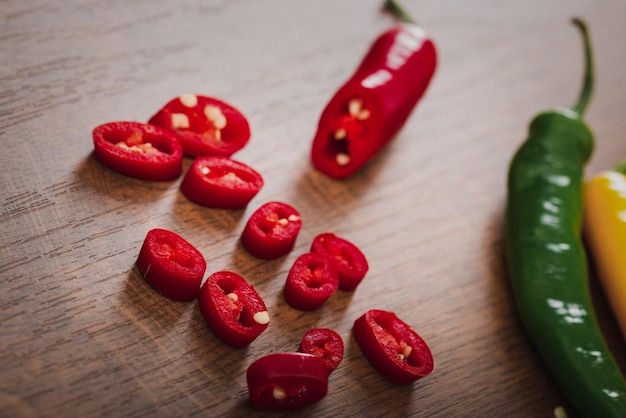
<point>82,334</point>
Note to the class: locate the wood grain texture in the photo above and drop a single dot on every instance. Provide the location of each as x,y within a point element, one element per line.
<point>82,334</point>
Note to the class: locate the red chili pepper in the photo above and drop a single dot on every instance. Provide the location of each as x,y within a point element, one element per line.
<point>204,125</point>
<point>271,231</point>
<point>220,182</point>
<point>286,381</point>
<point>373,104</point>
<point>232,309</point>
<point>396,351</point>
<point>312,279</point>
<point>171,265</point>
<point>138,150</point>
<point>349,261</point>
<point>325,344</point>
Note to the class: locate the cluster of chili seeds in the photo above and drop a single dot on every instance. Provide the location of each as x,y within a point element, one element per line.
<point>211,131</point>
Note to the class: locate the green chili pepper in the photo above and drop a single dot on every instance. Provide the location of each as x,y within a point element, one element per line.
<point>546,259</point>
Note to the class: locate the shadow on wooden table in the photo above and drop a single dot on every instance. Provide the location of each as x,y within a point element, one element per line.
<point>104,181</point>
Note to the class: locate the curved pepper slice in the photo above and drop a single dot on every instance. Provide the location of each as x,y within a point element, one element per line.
<point>171,265</point>
<point>204,125</point>
<point>373,104</point>
<point>286,381</point>
<point>220,182</point>
<point>232,309</point>
<point>396,351</point>
<point>324,343</point>
<point>138,150</point>
<point>271,231</point>
<point>347,258</point>
<point>311,280</point>
<point>605,233</point>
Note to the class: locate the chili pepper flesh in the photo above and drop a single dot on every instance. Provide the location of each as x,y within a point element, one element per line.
<point>171,265</point>
<point>138,150</point>
<point>204,125</point>
<point>546,258</point>
<point>392,347</point>
<point>605,234</point>
<point>233,309</point>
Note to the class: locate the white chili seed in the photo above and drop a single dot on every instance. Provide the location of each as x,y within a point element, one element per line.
<point>293,218</point>
<point>261,318</point>
<point>180,120</point>
<point>342,159</point>
<point>559,412</point>
<point>205,170</point>
<point>233,297</point>
<point>282,222</point>
<point>189,100</point>
<point>215,115</point>
<point>279,393</point>
<point>340,134</point>
<point>363,114</point>
<point>354,107</point>
<point>407,351</point>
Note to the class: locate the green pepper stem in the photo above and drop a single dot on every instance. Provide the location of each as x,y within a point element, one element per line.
<point>620,167</point>
<point>587,88</point>
<point>398,11</point>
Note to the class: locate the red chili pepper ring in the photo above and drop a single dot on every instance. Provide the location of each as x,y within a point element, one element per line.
<point>138,150</point>
<point>232,309</point>
<point>392,347</point>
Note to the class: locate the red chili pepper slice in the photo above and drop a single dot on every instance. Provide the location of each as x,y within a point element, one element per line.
<point>171,265</point>
<point>286,381</point>
<point>232,309</point>
<point>138,150</point>
<point>311,280</point>
<point>204,125</point>
<point>220,182</point>
<point>324,343</point>
<point>348,260</point>
<point>392,347</point>
<point>272,230</point>
<point>373,104</point>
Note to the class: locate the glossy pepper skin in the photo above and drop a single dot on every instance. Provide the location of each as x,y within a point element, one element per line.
<point>546,259</point>
<point>204,125</point>
<point>138,150</point>
<point>324,343</point>
<point>375,102</point>
<point>392,347</point>
<point>171,265</point>
<point>311,280</point>
<point>221,182</point>
<point>232,309</point>
<point>286,381</point>
<point>272,230</point>
<point>348,259</point>
<point>605,233</point>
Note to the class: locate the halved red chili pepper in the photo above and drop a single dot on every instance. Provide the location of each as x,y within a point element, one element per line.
<point>324,343</point>
<point>311,280</point>
<point>138,150</point>
<point>272,230</point>
<point>232,309</point>
<point>220,182</point>
<point>392,347</point>
<point>373,104</point>
<point>204,125</point>
<point>349,261</point>
<point>171,265</point>
<point>286,381</point>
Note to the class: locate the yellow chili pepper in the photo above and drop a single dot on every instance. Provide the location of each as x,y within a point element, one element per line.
<point>605,233</point>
